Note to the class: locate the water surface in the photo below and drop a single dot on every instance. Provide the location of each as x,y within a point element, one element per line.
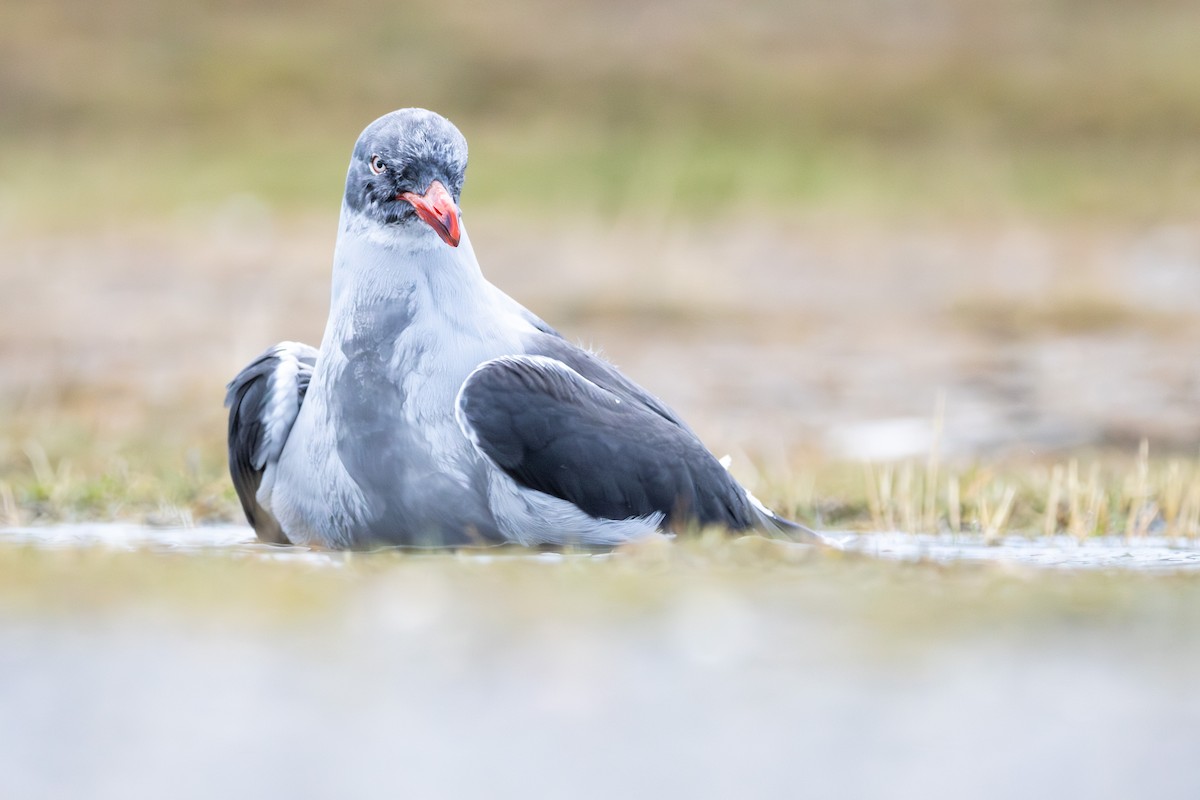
<point>1153,553</point>
<point>144,662</point>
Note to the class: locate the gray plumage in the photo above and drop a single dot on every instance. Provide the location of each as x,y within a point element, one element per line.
<point>439,411</point>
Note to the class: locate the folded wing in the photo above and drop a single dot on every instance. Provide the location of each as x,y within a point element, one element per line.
<point>263,402</point>
<point>611,454</point>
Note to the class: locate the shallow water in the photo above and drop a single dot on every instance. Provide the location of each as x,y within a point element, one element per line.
<point>1060,552</point>
<point>504,675</point>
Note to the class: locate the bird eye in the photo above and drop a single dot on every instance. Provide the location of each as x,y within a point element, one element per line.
<point>377,165</point>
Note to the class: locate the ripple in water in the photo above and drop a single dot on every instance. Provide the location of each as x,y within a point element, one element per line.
<point>1059,552</point>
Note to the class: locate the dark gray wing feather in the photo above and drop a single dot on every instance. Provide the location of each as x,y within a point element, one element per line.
<point>263,401</point>
<point>603,374</point>
<point>613,451</point>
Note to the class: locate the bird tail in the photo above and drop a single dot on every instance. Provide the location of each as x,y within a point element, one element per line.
<point>794,530</point>
<point>773,523</point>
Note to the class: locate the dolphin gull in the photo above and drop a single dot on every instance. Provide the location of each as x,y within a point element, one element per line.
<point>438,411</point>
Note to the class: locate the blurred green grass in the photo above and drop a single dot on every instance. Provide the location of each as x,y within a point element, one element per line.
<point>947,107</point>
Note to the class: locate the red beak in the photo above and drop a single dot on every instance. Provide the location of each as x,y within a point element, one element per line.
<point>436,209</point>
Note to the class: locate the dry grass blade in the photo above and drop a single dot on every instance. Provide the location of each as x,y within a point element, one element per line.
<point>908,503</point>
<point>1172,498</point>
<point>1050,523</point>
<point>8,505</point>
<point>1135,523</point>
<point>54,485</point>
<point>1190,512</point>
<point>1097,512</point>
<point>930,521</point>
<point>998,522</point>
<point>1074,501</point>
<point>886,501</point>
<point>874,503</point>
<point>954,505</point>
<point>39,462</point>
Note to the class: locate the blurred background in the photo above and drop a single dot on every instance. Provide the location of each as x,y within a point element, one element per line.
<point>823,231</point>
<point>958,239</point>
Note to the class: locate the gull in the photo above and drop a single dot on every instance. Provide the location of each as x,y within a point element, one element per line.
<point>439,412</point>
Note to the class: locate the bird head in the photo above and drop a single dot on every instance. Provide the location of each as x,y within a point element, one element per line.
<point>407,171</point>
